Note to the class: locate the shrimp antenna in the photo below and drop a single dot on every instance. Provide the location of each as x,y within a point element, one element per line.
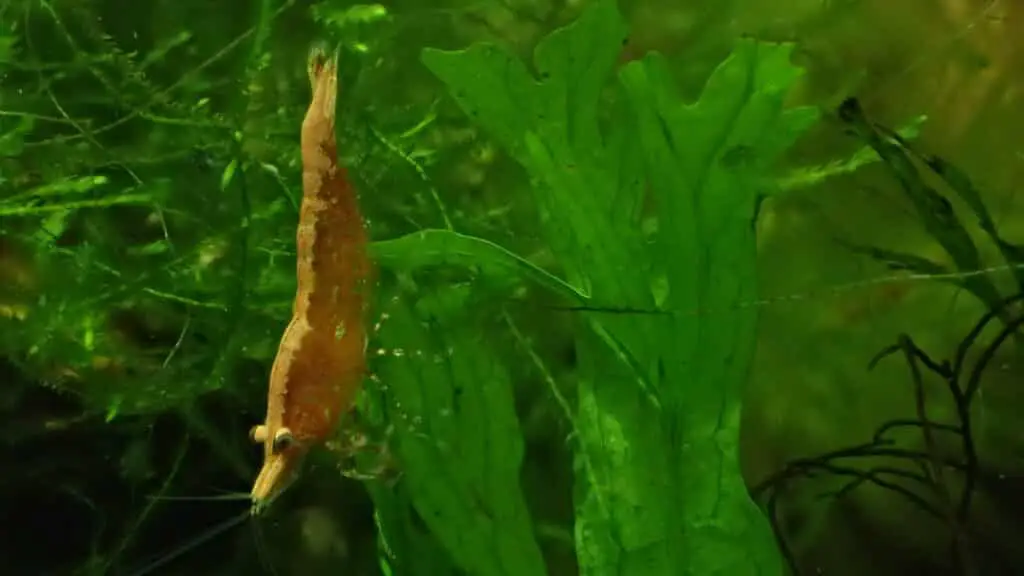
<point>261,547</point>
<point>202,538</point>
<point>230,497</point>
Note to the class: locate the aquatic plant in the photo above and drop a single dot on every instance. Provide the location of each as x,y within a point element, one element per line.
<point>937,215</point>
<point>655,420</point>
<point>147,205</point>
<point>924,472</point>
<point>941,485</point>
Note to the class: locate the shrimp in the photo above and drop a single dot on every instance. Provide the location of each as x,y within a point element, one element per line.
<point>321,360</point>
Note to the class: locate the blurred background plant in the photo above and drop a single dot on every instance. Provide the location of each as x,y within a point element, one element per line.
<point>148,185</point>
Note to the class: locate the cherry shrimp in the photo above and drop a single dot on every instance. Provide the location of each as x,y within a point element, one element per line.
<point>321,361</point>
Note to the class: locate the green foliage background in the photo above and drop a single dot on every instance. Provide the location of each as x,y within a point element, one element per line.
<point>533,158</point>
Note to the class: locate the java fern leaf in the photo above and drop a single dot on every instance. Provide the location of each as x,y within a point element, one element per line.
<point>658,487</point>
<point>705,162</point>
<point>459,444</point>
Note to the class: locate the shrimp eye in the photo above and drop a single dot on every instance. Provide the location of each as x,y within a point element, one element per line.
<point>283,440</point>
<point>258,434</point>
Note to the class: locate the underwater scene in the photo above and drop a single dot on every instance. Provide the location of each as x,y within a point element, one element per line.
<point>512,288</point>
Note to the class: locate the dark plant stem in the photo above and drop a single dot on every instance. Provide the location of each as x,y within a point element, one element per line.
<point>933,465</point>
<point>959,546</point>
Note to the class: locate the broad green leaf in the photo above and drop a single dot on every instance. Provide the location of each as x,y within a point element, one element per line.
<point>405,546</point>
<point>458,439</point>
<point>658,486</point>
<point>551,127</point>
<point>706,161</point>
<point>588,187</point>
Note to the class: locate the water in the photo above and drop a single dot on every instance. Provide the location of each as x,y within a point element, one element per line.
<point>149,192</point>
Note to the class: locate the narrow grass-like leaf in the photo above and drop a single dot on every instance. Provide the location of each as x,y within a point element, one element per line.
<point>934,210</point>
<point>961,184</point>
<point>436,247</point>
<point>897,260</point>
<point>813,175</point>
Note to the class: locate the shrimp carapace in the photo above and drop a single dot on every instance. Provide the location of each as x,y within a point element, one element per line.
<point>321,360</point>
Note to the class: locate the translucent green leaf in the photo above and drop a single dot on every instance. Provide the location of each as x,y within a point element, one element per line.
<point>551,127</point>
<point>229,174</point>
<point>706,162</point>
<point>58,189</point>
<point>588,190</point>
<point>658,488</point>
<point>406,546</point>
<point>436,247</point>
<point>458,440</point>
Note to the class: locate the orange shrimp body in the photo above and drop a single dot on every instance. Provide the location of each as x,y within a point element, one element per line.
<point>321,360</point>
